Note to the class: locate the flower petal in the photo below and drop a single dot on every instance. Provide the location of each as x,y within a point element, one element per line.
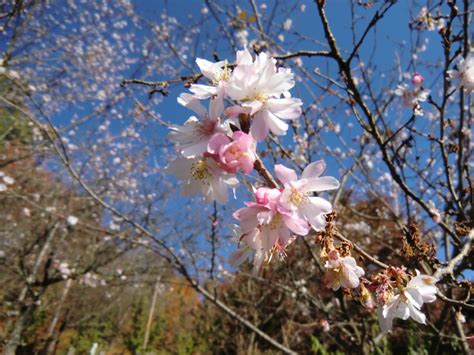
<point>209,69</point>
<point>234,111</point>
<point>244,57</point>
<point>216,107</point>
<point>283,235</point>
<point>254,106</point>
<point>259,128</point>
<point>248,218</point>
<point>216,142</point>
<point>269,237</point>
<point>319,184</point>
<point>314,210</point>
<point>414,297</point>
<point>314,170</point>
<point>238,256</point>
<point>257,261</point>
<point>189,101</point>
<point>284,174</point>
<point>193,150</point>
<point>416,314</point>
<point>288,108</point>
<point>203,91</point>
<point>296,225</point>
<point>219,190</point>
<point>384,322</point>
<point>276,125</point>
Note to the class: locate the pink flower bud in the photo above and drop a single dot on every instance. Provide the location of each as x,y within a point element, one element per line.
<point>325,325</point>
<point>417,79</point>
<point>238,154</point>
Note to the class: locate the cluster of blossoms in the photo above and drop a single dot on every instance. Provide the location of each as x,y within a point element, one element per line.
<point>92,280</point>
<point>270,224</point>
<point>411,96</point>
<point>426,21</point>
<point>249,100</point>
<point>221,141</point>
<point>399,295</point>
<point>394,292</point>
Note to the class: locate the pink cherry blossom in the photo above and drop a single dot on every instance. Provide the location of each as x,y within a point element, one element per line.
<point>297,194</point>
<point>342,271</point>
<point>266,225</point>
<point>417,79</point>
<point>235,154</point>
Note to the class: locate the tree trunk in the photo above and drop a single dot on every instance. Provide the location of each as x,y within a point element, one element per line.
<point>25,310</point>
<point>50,338</point>
<point>150,314</point>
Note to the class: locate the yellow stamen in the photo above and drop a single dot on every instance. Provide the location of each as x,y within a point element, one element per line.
<point>296,197</point>
<point>199,170</point>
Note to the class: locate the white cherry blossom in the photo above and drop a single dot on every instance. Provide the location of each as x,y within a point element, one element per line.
<point>262,91</point>
<point>407,303</point>
<point>218,73</point>
<point>464,74</point>
<point>202,174</point>
<point>411,97</point>
<point>72,220</point>
<point>342,271</point>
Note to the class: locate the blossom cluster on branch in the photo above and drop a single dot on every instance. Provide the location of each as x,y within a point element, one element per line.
<point>221,141</point>
<point>248,101</point>
<point>412,96</point>
<point>268,223</point>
